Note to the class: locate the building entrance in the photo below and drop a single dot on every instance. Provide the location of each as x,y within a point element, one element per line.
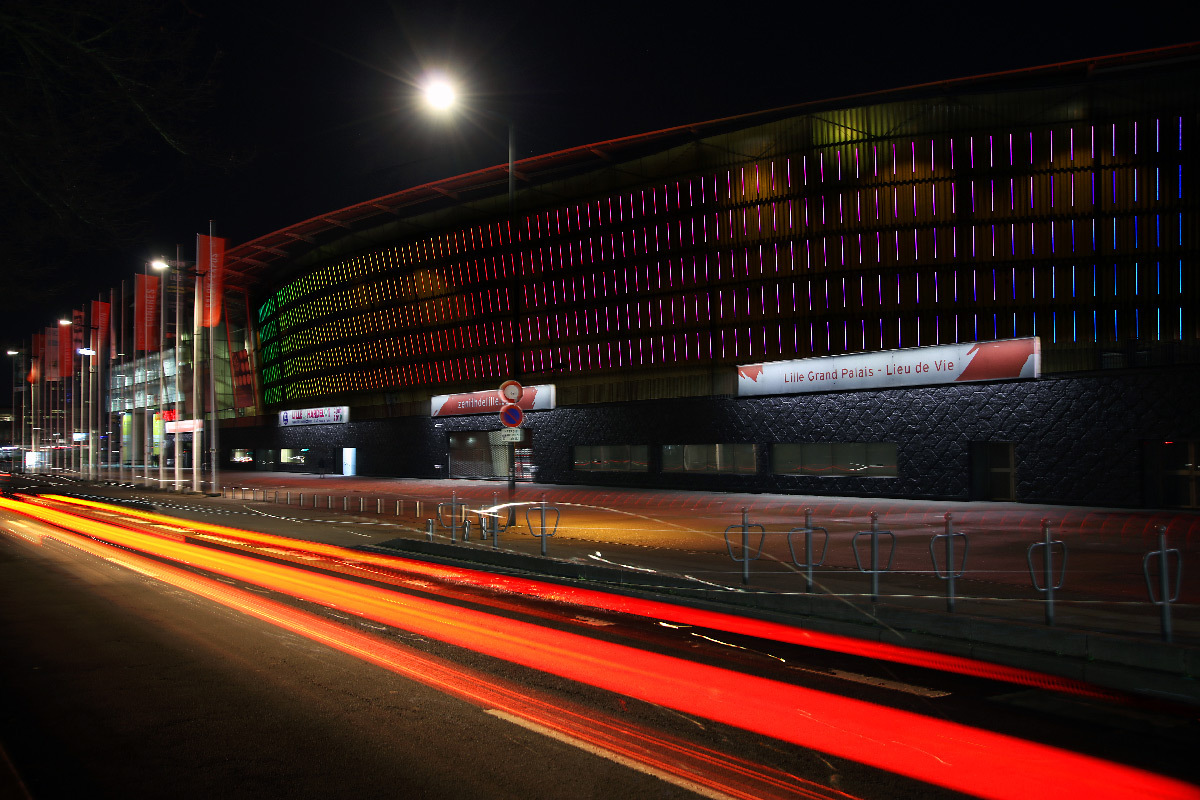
<point>993,471</point>
<point>481,454</point>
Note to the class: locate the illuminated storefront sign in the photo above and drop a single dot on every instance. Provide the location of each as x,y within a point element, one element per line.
<point>185,426</point>
<point>1008,359</point>
<point>533,398</point>
<point>327,415</point>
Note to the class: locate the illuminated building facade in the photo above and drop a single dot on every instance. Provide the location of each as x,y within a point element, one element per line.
<point>635,276</point>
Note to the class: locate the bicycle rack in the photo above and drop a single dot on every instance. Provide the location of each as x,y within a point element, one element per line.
<point>952,569</point>
<point>1165,595</point>
<point>875,569</point>
<point>808,563</point>
<point>543,509</point>
<point>1048,584</point>
<point>746,558</point>
<point>454,508</point>
<point>490,525</point>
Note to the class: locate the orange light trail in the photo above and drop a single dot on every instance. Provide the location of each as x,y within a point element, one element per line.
<point>691,763</point>
<point>652,609</point>
<point>958,757</point>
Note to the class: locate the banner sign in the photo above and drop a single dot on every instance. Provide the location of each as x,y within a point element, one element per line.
<point>210,261</point>
<point>533,398</point>
<point>1008,359</point>
<point>145,313</point>
<point>100,311</point>
<point>329,415</point>
<point>184,426</point>
<point>66,352</point>
<point>50,362</point>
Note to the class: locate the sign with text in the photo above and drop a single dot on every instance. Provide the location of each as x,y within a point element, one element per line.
<point>533,398</point>
<point>327,415</point>
<point>1008,359</point>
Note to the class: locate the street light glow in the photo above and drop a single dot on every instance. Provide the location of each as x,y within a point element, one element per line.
<point>440,94</point>
<point>158,263</point>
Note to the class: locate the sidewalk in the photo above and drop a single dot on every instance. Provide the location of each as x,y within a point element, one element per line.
<point>674,542</point>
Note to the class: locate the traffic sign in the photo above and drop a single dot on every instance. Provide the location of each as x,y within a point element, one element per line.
<point>511,416</point>
<point>511,435</point>
<point>511,391</point>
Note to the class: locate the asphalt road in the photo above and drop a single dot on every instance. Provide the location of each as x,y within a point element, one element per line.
<point>116,685</point>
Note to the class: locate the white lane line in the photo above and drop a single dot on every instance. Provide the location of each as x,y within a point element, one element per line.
<point>624,761</point>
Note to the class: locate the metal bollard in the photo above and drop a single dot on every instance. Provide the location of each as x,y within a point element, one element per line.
<point>543,510</point>
<point>875,569</point>
<point>429,530</point>
<point>1165,596</point>
<point>746,558</point>
<point>379,505</point>
<point>808,563</point>
<point>1048,584</point>
<point>953,570</point>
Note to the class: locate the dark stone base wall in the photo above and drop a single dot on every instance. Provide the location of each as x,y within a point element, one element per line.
<point>1084,440</point>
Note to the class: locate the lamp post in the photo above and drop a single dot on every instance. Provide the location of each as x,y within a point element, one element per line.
<point>18,361</point>
<point>65,374</point>
<point>87,353</point>
<point>441,96</point>
<point>178,268</point>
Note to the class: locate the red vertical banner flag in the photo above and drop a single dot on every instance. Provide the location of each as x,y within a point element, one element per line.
<point>38,357</point>
<point>145,313</point>
<point>52,353</point>
<point>100,312</point>
<point>78,331</point>
<point>65,351</point>
<point>210,261</point>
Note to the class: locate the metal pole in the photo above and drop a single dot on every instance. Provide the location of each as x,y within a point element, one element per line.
<point>950,562</point>
<point>543,524</point>
<point>1048,572</point>
<point>874,557</point>
<point>124,388</point>
<point>1164,585</point>
<point>808,550</point>
<point>212,355</point>
<point>745,546</point>
<point>197,376</point>
<point>162,381</point>
<point>178,482</point>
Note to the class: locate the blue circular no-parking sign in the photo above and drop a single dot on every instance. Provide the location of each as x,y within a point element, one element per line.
<point>511,415</point>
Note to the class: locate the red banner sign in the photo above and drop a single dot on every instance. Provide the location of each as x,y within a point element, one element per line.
<point>145,313</point>
<point>210,261</point>
<point>100,312</point>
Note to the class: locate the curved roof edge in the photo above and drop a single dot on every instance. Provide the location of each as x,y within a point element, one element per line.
<point>247,262</point>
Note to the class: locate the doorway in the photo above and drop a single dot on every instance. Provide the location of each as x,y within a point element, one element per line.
<point>993,471</point>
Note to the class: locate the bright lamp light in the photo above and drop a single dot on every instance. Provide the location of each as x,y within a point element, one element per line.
<point>439,93</point>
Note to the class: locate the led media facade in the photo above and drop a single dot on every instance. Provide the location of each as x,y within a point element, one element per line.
<point>1062,214</point>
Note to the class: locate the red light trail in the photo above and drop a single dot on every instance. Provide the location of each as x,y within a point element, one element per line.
<point>652,609</point>
<point>955,756</point>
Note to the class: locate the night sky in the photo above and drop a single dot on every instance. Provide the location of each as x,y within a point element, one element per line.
<point>313,103</point>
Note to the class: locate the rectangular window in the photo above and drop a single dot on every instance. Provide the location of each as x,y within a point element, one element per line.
<point>729,459</point>
<point>835,459</point>
<point>611,457</point>
<point>293,457</point>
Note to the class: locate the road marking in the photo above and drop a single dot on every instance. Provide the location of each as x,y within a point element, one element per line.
<point>624,761</point>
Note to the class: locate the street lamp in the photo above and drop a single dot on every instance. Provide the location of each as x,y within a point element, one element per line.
<point>179,267</point>
<point>441,96</point>
<point>65,374</point>
<point>20,444</point>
